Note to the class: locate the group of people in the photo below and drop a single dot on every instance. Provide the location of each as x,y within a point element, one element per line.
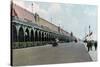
<point>90,44</point>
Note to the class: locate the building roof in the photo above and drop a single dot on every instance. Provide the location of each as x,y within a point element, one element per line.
<point>21,12</point>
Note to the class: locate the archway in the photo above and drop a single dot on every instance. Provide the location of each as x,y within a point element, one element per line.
<point>36,35</point>
<point>27,38</point>
<point>50,36</point>
<point>32,35</point>
<point>39,36</point>
<point>42,36</point>
<point>14,33</point>
<point>21,34</point>
<point>47,37</point>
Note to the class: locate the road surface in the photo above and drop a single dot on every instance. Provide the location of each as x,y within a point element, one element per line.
<point>64,53</point>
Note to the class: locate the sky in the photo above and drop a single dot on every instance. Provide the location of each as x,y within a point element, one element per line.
<point>74,18</point>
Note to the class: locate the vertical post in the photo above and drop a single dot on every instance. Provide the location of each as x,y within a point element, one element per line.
<point>89,29</point>
<point>89,32</point>
<point>32,7</point>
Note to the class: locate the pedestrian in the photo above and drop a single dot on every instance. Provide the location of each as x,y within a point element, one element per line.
<point>95,45</point>
<point>88,46</point>
<point>75,40</point>
<point>91,44</point>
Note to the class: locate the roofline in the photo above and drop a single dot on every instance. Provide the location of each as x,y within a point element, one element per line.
<point>23,8</point>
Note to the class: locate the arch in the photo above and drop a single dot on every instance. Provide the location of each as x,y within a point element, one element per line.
<point>14,33</point>
<point>50,37</point>
<point>32,35</point>
<point>47,37</point>
<point>36,35</point>
<point>21,34</point>
<point>42,36</point>
<point>39,36</point>
<point>27,38</point>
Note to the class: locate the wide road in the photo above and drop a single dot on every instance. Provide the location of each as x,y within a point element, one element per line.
<point>64,53</point>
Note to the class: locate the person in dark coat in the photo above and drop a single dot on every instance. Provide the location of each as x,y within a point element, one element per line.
<point>89,45</point>
<point>75,40</point>
<point>95,45</point>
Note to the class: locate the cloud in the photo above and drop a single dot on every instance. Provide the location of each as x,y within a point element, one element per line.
<point>54,8</point>
<point>91,11</point>
<point>19,2</point>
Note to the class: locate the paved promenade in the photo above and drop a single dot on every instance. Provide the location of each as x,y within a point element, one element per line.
<point>64,53</point>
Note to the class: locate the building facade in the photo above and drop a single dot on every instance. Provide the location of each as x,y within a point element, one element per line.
<point>28,29</point>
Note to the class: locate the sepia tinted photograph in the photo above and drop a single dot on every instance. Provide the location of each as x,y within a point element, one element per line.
<point>52,33</point>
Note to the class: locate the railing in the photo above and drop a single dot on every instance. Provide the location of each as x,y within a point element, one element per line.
<point>17,45</point>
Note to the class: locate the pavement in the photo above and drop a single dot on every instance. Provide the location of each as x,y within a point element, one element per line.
<point>93,53</point>
<point>64,53</point>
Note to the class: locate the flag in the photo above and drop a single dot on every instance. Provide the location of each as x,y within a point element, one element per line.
<point>90,34</point>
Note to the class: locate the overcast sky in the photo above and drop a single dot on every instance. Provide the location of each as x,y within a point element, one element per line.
<point>74,18</point>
